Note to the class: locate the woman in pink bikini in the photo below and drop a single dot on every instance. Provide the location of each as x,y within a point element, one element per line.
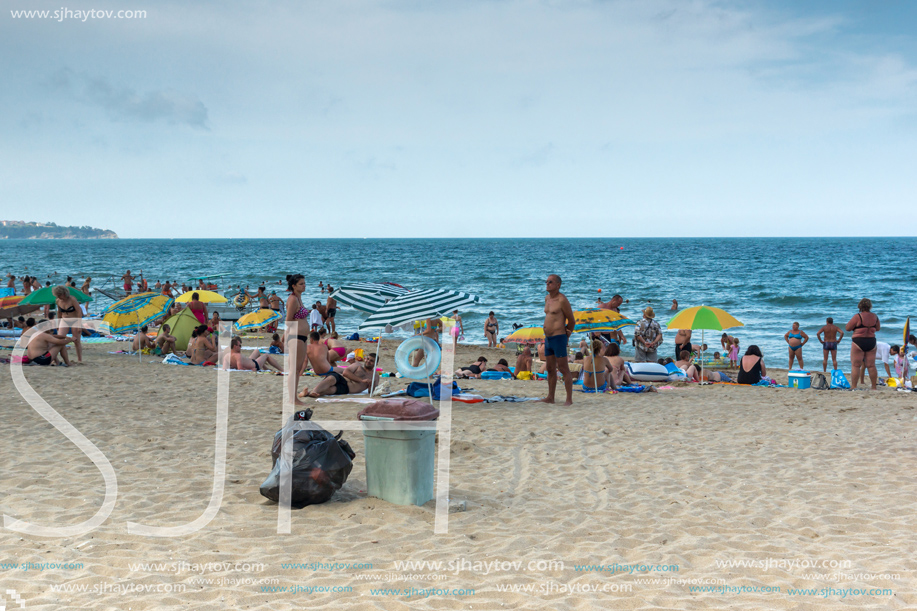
<point>336,348</point>
<point>296,338</point>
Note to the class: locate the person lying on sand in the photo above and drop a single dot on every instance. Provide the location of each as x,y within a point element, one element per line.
<point>474,370</point>
<point>686,364</point>
<point>354,380</point>
<point>255,362</point>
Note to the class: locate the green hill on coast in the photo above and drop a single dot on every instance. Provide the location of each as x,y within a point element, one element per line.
<point>51,231</point>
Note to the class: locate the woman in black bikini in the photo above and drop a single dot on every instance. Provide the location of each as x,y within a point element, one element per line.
<point>491,328</point>
<point>474,370</point>
<point>864,325</point>
<point>297,331</point>
<point>70,314</point>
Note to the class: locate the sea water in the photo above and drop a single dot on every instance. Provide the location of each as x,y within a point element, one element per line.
<point>767,283</point>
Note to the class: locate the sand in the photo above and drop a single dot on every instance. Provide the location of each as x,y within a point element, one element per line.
<point>680,481</point>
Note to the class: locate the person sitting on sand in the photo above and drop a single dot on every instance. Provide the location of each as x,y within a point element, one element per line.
<point>255,362</point>
<point>200,348</point>
<point>276,344</point>
<point>685,362</point>
<point>44,348</point>
<point>617,371</point>
<point>796,339</point>
<point>751,366</point>
<point>142,340</point>
<point>214,323</point>
<point>317,356</point>
<point>474,370</point>
<point>336,348</point>
<point>595,366</point>
<point>524,361</point>
<point>578,358</point>
<point>351,381</point>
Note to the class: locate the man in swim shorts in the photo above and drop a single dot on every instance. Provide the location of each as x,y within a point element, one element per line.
<point>44,348</point>
<point>353,380</point>
<point>558,325</point>
<point>142,341</point>
<point>255,362</point>
<point>829,342</point>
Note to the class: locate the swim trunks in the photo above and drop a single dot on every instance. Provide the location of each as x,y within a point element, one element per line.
<point>257,366</point>
<point>44,359</point>
<point>830,345</point>
<point>556,345</point>
<point>340,386</point>
<point>332,312</point>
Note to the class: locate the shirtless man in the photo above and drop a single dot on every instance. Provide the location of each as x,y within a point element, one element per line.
<point>829,342</point>
<point>128,280</point>
<point>524,361</point>
<point>682,342</point>
<point>44,348</point>
<point>612,304</point>
<point>331,308</point>
<point>558,325</point>
<point>166,342</point>
<point>351,381</point>
<point>141,341</point>
<point>317,356</point>
<point>431,330</point>
<point>255,362</point>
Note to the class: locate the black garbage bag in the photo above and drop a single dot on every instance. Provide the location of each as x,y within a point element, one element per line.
<point>321,464</point>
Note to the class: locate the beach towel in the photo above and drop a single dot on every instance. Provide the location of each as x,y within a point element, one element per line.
<point>838,379</point>
<point>346,399</point>
<point>632,388</point>
<point>171,359</point>
<point>496,375</point>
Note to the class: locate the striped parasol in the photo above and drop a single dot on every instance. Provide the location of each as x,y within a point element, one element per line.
<point>368,296</point>
<point>416,305</point>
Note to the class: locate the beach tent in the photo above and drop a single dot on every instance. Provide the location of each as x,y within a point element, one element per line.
<point>182,325</point>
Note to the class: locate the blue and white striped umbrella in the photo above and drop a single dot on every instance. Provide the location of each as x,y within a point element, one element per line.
<point>368,296</point>
<point>416,305</point>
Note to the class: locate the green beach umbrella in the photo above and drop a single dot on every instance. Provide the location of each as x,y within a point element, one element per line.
<point>44,296</point>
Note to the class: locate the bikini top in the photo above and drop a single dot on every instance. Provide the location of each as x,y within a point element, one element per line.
<point>301,313</point>
<point>70,309</point>
<point>796,335</point>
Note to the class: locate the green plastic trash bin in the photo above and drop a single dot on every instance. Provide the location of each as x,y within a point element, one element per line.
<point>399,461</point>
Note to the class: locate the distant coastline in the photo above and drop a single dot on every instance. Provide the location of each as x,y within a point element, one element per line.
<point>51,231</point>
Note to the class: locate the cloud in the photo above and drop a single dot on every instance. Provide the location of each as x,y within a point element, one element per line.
<point>125,104</point>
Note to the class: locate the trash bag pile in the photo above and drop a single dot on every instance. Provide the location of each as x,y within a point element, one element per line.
<point>321,464</point>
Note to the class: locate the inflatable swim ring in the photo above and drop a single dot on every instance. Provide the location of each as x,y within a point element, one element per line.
<point>241,300</point>
<point>430,364</point>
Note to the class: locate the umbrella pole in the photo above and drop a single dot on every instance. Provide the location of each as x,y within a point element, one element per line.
<point>372,382</point>
<point>702,353</point>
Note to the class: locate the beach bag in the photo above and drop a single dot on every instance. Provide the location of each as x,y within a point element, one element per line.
<point>819,382</point>
<point>838,380</point>
<point>353,337</point>
<point>421,389</point>
<point>321,464</point>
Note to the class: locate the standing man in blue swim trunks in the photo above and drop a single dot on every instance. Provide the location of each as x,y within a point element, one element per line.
<point>558,325</point>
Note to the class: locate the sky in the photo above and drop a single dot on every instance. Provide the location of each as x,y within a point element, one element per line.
<point>645,118</point>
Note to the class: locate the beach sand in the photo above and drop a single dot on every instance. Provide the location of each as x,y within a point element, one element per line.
<point>682,481</point>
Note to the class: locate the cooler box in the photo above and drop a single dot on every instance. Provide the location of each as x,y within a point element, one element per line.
<point>399,463</point>
<point>797,378</point>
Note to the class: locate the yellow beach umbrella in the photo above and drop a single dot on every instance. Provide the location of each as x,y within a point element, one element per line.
<point>204,296</point>
<point>526,335</point>
<point>599,320</point>
<point>703,318</point>
<point>135,311</point>
<point>257,319</point>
